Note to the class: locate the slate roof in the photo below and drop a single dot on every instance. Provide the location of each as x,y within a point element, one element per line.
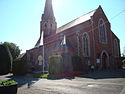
<point>77,21</point>
<point>20,56</point>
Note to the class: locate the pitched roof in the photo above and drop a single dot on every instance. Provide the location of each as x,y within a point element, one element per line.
<point>20,56</point>
<point>77,21</point>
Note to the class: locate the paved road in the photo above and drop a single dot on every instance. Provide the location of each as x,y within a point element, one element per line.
<point>80,87</point>
<point>104,82</point>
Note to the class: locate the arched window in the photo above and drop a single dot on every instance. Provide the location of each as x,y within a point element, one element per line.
<point>86,47</point>
<point>116,48</point>
<point>102,31</point>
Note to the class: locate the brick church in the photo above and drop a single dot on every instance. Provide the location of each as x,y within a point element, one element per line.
<point>88,36</point>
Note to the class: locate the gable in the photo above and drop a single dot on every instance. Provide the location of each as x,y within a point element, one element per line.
<point>100,14</point>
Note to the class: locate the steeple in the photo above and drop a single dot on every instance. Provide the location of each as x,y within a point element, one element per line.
<point>48,10</point>
<point>48,23</point>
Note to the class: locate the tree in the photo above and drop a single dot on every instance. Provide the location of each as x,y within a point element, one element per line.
<point>13,48</point>
<point>5,59</point>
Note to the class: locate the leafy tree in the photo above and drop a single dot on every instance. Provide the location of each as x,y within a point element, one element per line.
<point>5,59</point>
<point>14,49</point>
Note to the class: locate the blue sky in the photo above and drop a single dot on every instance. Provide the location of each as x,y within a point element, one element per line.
<point>20,19</point>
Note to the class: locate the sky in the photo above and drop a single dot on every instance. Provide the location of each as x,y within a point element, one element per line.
<point>20,19</point>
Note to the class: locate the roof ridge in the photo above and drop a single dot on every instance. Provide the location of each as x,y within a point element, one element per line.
<point>75,20</point>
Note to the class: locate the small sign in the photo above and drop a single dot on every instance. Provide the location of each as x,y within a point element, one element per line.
<point>98,61</point>
<point>40,58</point>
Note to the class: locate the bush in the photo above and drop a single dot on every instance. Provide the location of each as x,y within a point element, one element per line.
<point>5,60</point>
<point>48,76</point>
<point>7,83</point>
<point>8,86</point>
<point>55,65</point>
<point>20,66</point>
<point>76,63</point>
<point>44,76</point>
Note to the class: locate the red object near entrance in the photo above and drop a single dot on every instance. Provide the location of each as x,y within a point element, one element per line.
<point>71,74</point>
<point>104,59</point>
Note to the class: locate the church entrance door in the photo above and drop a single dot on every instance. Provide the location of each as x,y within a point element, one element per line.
<point>104,61</point>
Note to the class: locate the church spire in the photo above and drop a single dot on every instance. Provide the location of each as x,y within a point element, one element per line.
<point>48,24</point>
<point>48,11</point>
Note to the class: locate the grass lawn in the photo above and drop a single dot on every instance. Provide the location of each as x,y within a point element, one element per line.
<point>47,76</point>
<point>44,76</point>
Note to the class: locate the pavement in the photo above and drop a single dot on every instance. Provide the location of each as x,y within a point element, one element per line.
<point>101,82</point>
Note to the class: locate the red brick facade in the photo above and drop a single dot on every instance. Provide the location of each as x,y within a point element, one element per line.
<point>83,38</point>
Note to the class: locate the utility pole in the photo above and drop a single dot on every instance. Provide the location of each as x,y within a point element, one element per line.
<point>43,51</point>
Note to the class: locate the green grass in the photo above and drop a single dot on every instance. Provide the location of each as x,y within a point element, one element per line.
<point>47,76</point>
<point>7,83</point>
<point>44,76</point>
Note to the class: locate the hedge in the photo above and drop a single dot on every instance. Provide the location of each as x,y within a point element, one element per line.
<point>56,65</point>
<point>5,60</point>
<point>76,63</point>
<point>20,66</point>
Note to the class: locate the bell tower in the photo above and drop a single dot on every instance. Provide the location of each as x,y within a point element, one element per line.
<point>48,23</point>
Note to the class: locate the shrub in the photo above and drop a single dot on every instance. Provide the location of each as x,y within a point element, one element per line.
<point>76,63</point>
<point>55,65</point>
<point>7,83</point>
<point>44,76</point>
<point>8,86</point>
<point>5,60</point>
<point>48,76</point>
<point>20,66</point>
